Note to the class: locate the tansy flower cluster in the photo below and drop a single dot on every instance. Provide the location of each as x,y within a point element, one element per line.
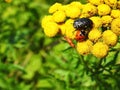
<point>105,15</point>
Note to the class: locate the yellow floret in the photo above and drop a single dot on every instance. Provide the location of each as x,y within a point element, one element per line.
<point>97,22</point>
<point>89,10</point>
<point>84,47</point>
<point>118,4</point>
<point>100,49</point>
<point>55,7</point>
<point>70,30</point>
<point>115,13</point>
<point>51,29</point>
<point>115,26</point>
<point>96,2</point>
<point>94,35</point>
<point>76,4</point>
<point>59,16</point>
<point>106,20</point>
<point>103,9</point>
<point>46,19</point>
<point>109,37</point>
<point>62,28</point>
<point>111,3</point>
<point>72,12</point>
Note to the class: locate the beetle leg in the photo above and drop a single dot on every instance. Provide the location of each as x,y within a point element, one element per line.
<point>69,41</point>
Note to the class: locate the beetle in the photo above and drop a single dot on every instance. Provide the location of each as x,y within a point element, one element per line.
<point>82,26</point>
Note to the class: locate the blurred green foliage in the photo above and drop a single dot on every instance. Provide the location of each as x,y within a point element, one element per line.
<point>31,61</point>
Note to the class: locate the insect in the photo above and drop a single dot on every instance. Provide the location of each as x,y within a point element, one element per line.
<point>82,26</point>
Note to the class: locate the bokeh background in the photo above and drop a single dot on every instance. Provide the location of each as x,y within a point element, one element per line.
<point>29,60</point>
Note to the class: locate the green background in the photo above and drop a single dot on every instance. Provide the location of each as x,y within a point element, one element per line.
<point>29,60</point>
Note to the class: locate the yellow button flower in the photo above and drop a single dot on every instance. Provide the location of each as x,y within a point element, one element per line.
<point>62,28</point>
<point>76,4</point>
<point>106,20</point>
<point>115,26</point>
<point>109,38</point>
<point>100,49</point>
<point>94,34</point>
<point>8,1</point>
<point>96,2</point>
<point>84,47</point>
<point>55,7</point>
<point>72,12</point>
<point>89,10</point>
<point>111,3</point>
<point>51,29</point>
<point>70,30</point>
<point>96,21</point>
<point>103,9</point>
<point>46,19</point>
<point>118,4</point>
<point>115,13</point>
<point>59,16</point>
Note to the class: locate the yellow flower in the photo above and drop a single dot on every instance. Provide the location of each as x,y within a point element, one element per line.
<point>89,10</point>
<point>51,29</point>
<point>59,16</point>
<point>84,47</point>
<point>100,49</point>
<point>62,28</point>
<point>72,12</point>
<point>96,2</point>
<point>94,34</point>
<point>46,19</point>
<point>70,30</point>
<point>111,3</point>
<point>55,7</point>
<point>118,4</point>
<point>103,9</point>
<point>115,26</point>
<point>106,20</point>
<point>109,38</point>
<point>97,22</point>
<point>115,13</point>
<point>76,4</point>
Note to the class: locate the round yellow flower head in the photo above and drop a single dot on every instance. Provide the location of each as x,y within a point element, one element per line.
<point>46,19</point>
<point>51,29</point>
<point>84,47</point>
<point>109,38</point>
<point>97,22</point>
<point>115,26</point>
<point>100,49</point>
<point>94,35</point>
<point>111,3</point>
<point>72,11</point>
<point>103,9</point>
<point>55,7</point>
<point>89,10</point>
<point>118,4</point>
<point>76,4</point>
<point>106,20</point>
<point>70,30</point>
<point>62,28</point>
<point>59,16</point>
<point>115,13</point>
<point>96,2</point>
